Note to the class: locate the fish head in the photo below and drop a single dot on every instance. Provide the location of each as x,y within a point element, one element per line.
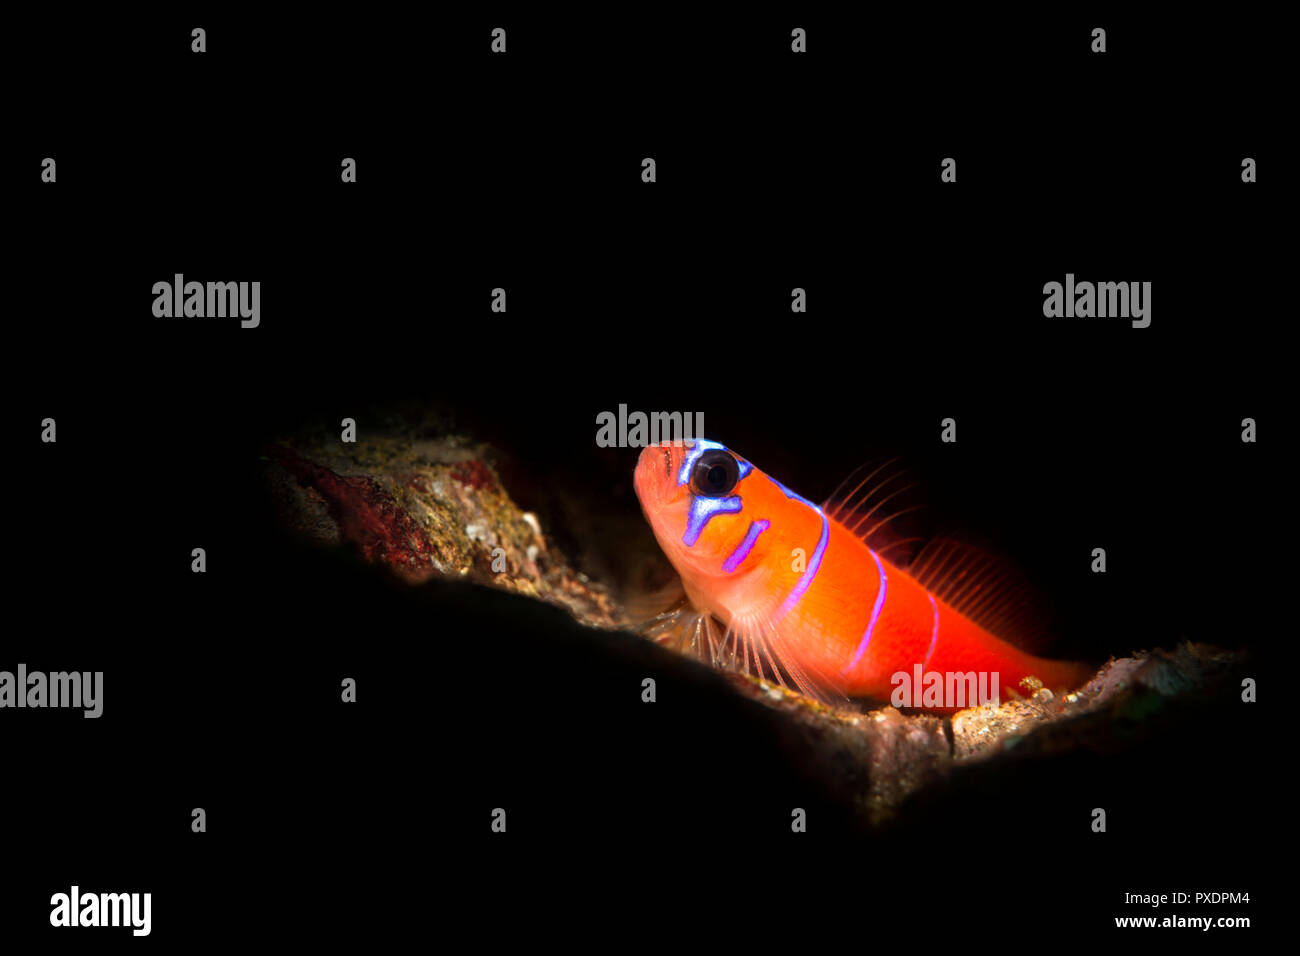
<point>695,496</point>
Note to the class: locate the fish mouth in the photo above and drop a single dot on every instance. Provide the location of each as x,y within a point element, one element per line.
<point>655,478</point>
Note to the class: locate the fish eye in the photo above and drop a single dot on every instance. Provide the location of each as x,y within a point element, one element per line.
<point>715,474</point>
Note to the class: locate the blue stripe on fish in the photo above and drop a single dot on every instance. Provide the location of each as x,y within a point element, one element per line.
<point>875,615</point>
<point>742,550</point>
<point>702,510</point>
<point>814,565</point>
<point>934,633</point>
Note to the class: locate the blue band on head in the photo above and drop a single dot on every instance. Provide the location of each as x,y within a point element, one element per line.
<point>742,550</point>
<point>703,509</point>
<point>697,449</point>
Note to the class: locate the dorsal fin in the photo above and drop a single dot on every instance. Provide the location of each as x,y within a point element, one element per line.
<point>985,588</point>
<point>870,502</point>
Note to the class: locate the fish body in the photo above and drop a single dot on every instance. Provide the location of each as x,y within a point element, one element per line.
<point>802,596</point>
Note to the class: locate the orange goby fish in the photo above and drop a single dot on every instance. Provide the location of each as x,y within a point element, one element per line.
<point>802,596</point>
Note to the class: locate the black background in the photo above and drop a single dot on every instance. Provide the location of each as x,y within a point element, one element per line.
<point>370,823</point>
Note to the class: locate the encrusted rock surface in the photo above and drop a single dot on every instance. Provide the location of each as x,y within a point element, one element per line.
<point>423,508</point>
<point>884,755</point>
<point>437,507</point>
